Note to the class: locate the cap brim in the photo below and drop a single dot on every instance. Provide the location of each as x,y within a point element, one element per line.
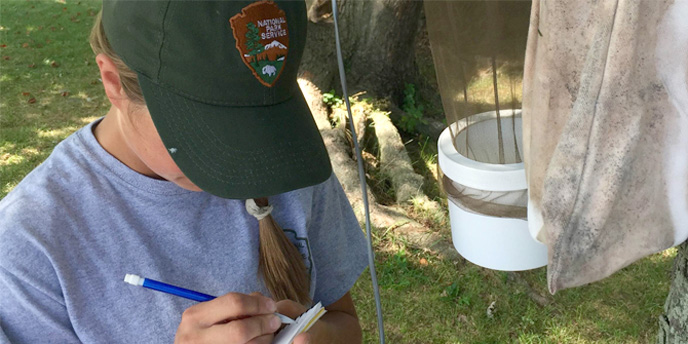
<point>240,152</point>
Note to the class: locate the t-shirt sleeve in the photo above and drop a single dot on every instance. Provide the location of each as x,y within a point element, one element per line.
<point>28,315</point>
<point>337,242</point>
<point>32,309</point>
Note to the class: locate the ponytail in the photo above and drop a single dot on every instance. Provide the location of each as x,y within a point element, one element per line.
<point>281,264</point>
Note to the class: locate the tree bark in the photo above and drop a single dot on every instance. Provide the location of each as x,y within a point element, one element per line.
<point>673,324</point>
<point>377,37</point>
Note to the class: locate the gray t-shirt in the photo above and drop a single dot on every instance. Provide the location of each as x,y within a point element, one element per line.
<point>80,221</point>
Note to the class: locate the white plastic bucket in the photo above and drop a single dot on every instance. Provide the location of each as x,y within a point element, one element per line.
<point>499,243</point>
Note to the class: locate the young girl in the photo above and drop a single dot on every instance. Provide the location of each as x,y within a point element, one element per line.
<point>206,115</point>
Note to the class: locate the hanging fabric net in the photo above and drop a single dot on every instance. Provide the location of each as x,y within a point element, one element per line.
<point>478,50</point>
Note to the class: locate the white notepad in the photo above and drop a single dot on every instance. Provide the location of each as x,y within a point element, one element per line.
<point>301,325</point>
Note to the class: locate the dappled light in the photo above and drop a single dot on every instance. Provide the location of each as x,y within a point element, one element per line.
<point>449,300</point>
<point>50,87</point>
<point>48,81</point>
<point>7,159</point>
<point>56,133</point>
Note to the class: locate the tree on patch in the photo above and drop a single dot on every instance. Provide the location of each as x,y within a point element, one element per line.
<point>253,40</point>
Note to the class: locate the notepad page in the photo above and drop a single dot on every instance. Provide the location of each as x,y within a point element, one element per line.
<point>301,324</point>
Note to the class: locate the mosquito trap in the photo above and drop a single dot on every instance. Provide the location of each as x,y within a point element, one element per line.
<point>478,50</point>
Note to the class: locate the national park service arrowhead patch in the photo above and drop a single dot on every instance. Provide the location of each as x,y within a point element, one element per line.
<point>262,38</point>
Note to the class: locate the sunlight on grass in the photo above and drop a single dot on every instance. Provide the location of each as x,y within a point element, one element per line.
<point>8,159</point>
<point>55,133</point>
<point>87,120</point>
<point>668,253</point>
<point>8,187</point>
<point>7,147</point>
<point>84,96</point>
<point>4,77</point>
<point>29,152</point>
<point>57,88</point>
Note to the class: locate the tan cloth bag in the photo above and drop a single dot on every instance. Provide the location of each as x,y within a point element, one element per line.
<point>605,120</point>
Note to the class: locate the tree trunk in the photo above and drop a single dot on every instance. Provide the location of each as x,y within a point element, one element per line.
<point>378,40</point>
<point>673,324</point>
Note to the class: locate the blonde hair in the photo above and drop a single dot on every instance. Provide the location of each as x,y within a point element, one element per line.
<point>127,77</point>
<point>281,264</point>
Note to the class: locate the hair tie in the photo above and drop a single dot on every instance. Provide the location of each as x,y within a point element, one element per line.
<point>257,211</point>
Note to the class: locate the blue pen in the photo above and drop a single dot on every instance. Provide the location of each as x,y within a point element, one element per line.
<point>181,292</point>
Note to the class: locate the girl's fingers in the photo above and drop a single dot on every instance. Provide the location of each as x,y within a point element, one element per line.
<point>303,338</point>
<point>250,330</point>
<point>227,307</point>
<point>266,339</point>
<point>290,308</point>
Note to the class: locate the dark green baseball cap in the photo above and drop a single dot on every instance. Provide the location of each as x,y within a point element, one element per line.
<point>219,80</point>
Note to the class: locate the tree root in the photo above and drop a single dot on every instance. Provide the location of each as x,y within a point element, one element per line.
<point>409,230</point>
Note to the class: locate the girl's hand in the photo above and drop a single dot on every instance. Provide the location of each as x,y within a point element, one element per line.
<point>232,318</point>
<point>293,310</point>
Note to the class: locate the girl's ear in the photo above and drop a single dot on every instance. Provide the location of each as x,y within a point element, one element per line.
<point>111,82</point>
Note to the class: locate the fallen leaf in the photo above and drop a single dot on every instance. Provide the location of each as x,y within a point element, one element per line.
<point>33,65</point>
<point>32,100</point>
<point>3,46</point>
<point>54,64</point>
<point>6,58</point>
<point>25,94</point>
<point>64,9</point>
<point>65,94</point>
<point>52,28</point>
<point>25,45</point>
<point>423,262</point>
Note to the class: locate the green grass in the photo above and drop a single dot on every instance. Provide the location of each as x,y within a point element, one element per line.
<point>445,303</point>
<point>425,300</point>
<point>49,83</point>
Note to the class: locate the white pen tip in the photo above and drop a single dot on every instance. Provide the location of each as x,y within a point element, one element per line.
<point>133,279</point>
